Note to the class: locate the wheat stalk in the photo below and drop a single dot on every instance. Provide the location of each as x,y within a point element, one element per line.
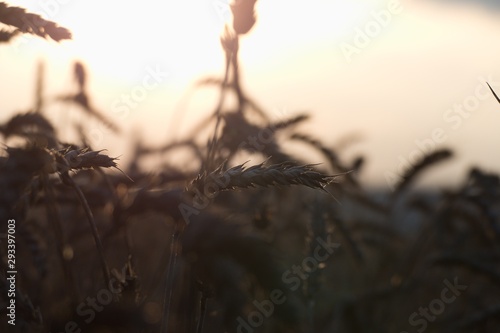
<point>90,218</point>
<point>73,158</point>
<point>26,124</point>
<point>494,93</point>
<point>88,159</point>
<point>283,174</point>
<point>31,23</point>
<point>426,161</point>
<point>288,122</point>
<point>243,15</point>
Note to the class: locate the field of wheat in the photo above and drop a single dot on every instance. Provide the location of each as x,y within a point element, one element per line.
<point>279,243</point>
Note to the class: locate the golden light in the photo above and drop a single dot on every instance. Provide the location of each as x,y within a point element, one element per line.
<point>172,34</point>
<point>119,38</point>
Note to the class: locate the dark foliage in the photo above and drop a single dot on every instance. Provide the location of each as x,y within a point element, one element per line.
<point>205,249</point>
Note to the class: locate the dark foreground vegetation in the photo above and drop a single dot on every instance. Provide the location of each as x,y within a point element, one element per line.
<point>278,246</point>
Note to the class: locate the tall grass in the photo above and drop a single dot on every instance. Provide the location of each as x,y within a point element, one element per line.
<point>183,251</point>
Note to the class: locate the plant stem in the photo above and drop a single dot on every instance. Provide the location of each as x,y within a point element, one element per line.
<point>95,232</point>
<point>203,311</point>
<point>171,273</point>
<point>218,110</point>
<point>236,81</point>
<point>55,220</point>
<point>310,314</point>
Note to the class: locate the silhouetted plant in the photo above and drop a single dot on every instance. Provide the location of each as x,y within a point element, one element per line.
<point>23,22</point>
<point>194,249</point>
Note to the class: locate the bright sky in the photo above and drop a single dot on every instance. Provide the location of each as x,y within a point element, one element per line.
<point>405,81</point>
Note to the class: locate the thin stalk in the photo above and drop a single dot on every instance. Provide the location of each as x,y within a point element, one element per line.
<point>116,203</point>
<point>317,230</point>
<point>218,110</point>
<point>236,81</point>
<point>310,305</point>
<point>203,311</point>
<point>93,227</point>
<point>171,273</point>
<point>494,93</point>
<point>55,220</point>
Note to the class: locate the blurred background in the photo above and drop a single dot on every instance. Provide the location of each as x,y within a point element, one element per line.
<point>387,83</point>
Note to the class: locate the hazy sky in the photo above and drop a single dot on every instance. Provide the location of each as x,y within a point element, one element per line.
<point>402,75</point>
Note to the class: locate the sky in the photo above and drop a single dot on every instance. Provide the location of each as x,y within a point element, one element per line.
<point>401,76</point>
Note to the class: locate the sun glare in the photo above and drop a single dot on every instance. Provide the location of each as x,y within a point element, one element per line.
<point>121,38</point>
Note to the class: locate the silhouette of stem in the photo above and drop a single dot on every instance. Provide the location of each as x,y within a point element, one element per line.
<point>218,110</point>
<point>93,227</point>
<point>55,220</point>
<point>493,91</point>
<point>171,272</point>
<point>203,311</point>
